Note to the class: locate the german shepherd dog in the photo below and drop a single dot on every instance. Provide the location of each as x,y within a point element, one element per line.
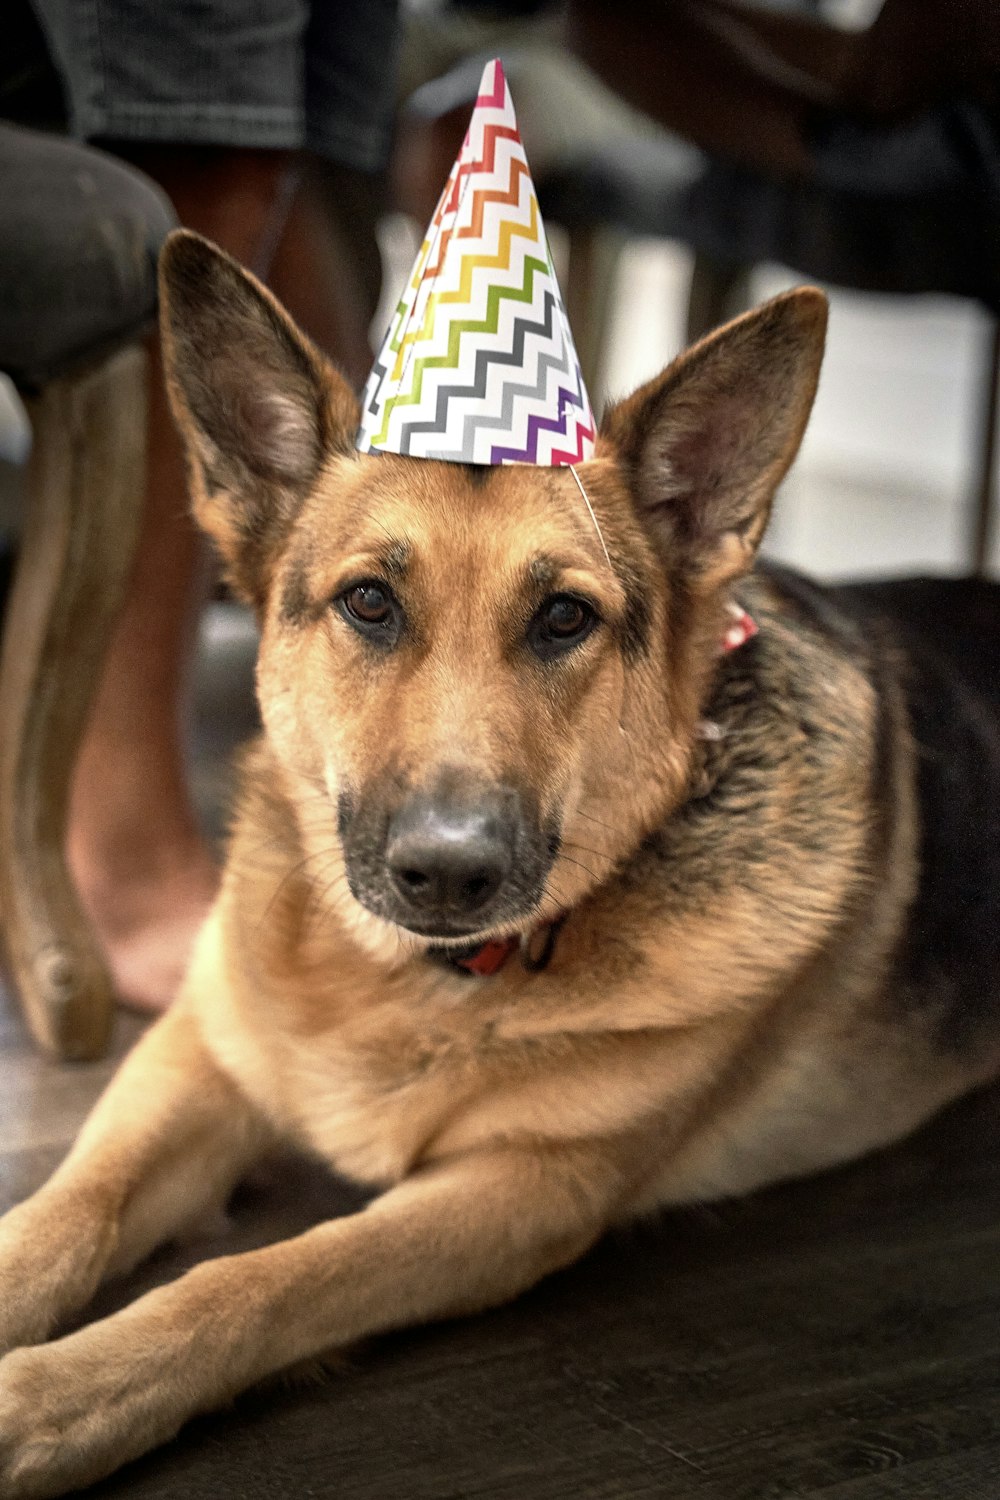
<point>541,911</point>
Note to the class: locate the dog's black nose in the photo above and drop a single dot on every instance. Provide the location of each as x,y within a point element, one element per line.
<point>447,858</point>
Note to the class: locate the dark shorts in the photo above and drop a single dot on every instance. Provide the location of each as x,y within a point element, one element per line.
<point>318,74</point>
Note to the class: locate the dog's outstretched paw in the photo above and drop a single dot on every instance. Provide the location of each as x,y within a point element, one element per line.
<point>30,1440</point>
<point>47,1431</point>
<point>65,1422</point>
<point>51,1250</point>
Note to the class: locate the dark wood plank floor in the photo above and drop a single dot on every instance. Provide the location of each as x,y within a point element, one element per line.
<point>837,1339</point>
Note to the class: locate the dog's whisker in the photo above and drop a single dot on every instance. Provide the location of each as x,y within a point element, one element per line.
<point>317,890</point>
<point>290,875</point>
<point>277,841</point>
<point>556,890</point>
<point>585,849</point>
<point>607,826</point>
<point>319,905</point>
<point>247,858</point>
<point>580,865</point>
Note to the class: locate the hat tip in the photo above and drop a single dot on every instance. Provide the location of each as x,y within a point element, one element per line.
<point>492,85</point>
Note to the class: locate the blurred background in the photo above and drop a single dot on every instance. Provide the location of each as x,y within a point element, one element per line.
<point>885,480</point>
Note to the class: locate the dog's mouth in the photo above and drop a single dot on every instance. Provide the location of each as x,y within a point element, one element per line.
<point>462,862</point>
<point>448,932</point>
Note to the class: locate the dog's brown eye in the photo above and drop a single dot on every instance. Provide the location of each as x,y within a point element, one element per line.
<point>565,617</point>
<point>374,612</point>
<point>562,623</point>
<point>369,603</point>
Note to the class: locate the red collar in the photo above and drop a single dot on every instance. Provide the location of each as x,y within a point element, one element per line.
<point>741,627</point>
<point>489,958</point>
<point>485,960</point>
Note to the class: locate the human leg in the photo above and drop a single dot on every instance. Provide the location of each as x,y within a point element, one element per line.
<point>143,868</point>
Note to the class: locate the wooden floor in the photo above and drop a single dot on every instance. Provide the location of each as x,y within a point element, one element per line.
<point>838,1338</point>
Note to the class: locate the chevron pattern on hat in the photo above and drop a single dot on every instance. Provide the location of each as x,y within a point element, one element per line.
<point>479,364</point>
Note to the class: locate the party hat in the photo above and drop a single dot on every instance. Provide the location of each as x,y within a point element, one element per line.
<point>479,364</point>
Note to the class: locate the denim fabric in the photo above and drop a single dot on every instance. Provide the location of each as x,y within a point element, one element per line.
<point>272,73</point>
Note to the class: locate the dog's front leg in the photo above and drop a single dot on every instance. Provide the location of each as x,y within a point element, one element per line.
<point>164,1142</point>
<point>452,1239</point>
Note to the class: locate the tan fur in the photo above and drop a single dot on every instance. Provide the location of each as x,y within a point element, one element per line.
<point>714,1015</point>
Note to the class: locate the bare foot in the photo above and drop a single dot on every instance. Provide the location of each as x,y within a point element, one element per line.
<point>146,914</point>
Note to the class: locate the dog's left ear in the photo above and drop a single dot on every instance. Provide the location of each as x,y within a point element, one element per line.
<point>706,444</point>
<point>258,407</point>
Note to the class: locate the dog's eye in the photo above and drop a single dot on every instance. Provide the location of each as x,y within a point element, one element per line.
<point>562,622</point>
<point>372,609</point>
<point>368,603</point>
<point>565,617</point>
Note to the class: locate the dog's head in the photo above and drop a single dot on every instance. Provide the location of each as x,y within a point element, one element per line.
<point>481,709</point>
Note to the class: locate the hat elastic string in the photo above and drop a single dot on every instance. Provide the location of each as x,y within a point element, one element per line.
<point>583,492</point>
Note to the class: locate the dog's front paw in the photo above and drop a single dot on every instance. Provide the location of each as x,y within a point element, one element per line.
<point>26,1311</point>
<point>47,1430</point>
<point>51,1251</point>
<point>30,1432</point>
<point>68,1416</point>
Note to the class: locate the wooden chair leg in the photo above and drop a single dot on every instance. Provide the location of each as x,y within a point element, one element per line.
<point>85,488</point>
<point>985,490</point>
<point>720,290</point>
<point>594,253</point>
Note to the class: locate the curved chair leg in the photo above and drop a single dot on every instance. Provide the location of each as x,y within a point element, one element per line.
<point>85,486</point>
<point>594,253</point>
<point>985,483</point>
<point>720,290</point>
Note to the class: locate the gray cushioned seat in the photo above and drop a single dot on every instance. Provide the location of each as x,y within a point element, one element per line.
<point>79,237</point>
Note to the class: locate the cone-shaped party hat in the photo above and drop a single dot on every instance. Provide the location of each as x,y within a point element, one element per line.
<point>479,365</point>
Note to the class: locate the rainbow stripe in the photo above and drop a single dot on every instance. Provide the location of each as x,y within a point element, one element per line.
<point>479,364</point>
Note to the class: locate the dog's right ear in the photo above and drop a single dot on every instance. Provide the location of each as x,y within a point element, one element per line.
<point>705,444</point>
<point>258,407</point>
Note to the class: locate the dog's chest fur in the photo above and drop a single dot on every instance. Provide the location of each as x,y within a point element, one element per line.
<point>431,1062</point>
